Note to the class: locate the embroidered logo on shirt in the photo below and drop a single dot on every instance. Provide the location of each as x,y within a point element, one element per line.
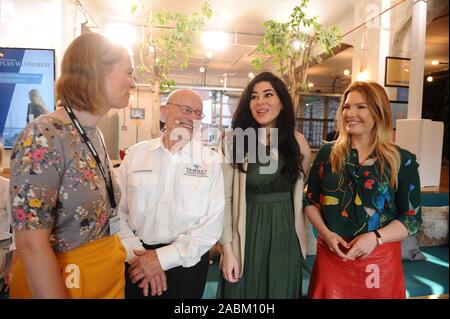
<point>143,171</point>
<point>195,171</point>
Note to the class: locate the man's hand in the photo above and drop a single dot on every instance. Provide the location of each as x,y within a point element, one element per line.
<point>145,267</point>
<point>157,284</point>
<point>7,279</point>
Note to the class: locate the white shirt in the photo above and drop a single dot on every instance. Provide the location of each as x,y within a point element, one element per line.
<point>175,199</point>
<point>5,210</point>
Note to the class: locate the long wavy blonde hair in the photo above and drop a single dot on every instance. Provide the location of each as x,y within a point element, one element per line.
<point>383,146</point>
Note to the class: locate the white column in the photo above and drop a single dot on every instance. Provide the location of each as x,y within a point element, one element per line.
<point>424,138</point>
<point>371,42</point>
<point>420,136</point>
<point>419,24</point>
<point>384,40</point>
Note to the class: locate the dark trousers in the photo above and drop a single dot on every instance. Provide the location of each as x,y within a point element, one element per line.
<point>182,283</point>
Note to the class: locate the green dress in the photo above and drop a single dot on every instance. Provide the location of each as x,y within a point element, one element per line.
<point>273,260</point>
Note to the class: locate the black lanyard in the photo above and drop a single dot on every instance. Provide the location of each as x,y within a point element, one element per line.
<point>87,141</point>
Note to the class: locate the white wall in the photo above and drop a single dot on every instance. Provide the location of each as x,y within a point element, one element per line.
<point>48,24</point>
<point>53,24</point>
<point>136,130</point>
<point>36,24</point>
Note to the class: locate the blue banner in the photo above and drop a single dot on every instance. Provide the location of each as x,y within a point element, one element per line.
<point>24,78</point>
<point>26,88</point>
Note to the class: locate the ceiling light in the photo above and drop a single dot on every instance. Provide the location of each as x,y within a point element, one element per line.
<point>215,40</point>
<point>429,78</point>
<point>436,62</point>
<point>346,72</point>
<point>121,33</point>
<point>202,69</point>
<point>297,45</point>
<point>251,75</point>
<point>363,76</point>
<point>209,54</point>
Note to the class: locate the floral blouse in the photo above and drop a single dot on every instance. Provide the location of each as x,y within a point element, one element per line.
<point>360,201</point>
<point>56,184</point>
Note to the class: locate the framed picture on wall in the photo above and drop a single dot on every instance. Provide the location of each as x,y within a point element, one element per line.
<point>399,111</point>
<point>397,72</point>
<point>137,113</point>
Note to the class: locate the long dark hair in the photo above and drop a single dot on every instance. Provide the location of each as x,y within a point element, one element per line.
<point>288,147</point>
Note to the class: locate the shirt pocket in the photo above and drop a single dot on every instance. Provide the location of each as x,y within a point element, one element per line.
<point>193,195</point>
<point>194,183</point>
<point>141,191</point>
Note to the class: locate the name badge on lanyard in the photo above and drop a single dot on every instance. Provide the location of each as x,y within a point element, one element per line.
<point>114,225</point>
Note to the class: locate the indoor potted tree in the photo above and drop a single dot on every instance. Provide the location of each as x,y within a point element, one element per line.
<point>293,45</point>
<point>167,40</point>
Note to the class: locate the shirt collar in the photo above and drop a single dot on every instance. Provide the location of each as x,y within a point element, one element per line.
<point>187,149</point>
<point>155,143</point>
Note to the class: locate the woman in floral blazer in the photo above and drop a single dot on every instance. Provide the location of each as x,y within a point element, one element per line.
<point>63,192</point>
<point>363,197</point>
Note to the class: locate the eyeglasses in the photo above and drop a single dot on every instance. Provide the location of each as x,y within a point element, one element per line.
<point>185,109</point>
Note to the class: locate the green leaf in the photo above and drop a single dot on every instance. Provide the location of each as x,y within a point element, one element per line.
<point>278,39</point>
<point>133,8</point>
<point>173,46</point>
<point>256,64</point>
<point>206,10</point>
<point>166,84</point>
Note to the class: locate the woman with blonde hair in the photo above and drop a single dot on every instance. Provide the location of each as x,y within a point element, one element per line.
<point>363,197</point>
<point>36,107</point>
<point>63,192</point>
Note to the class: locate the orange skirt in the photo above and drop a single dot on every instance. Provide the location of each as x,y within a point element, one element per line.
<point>94,270</point>
<point>378,276</point>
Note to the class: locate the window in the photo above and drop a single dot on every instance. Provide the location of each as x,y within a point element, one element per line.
<point>316,115</point>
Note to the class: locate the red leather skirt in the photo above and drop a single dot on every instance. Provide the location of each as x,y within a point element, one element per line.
<point>378,276</point>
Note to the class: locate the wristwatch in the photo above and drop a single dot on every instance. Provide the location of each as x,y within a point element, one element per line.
<point>379,238</point>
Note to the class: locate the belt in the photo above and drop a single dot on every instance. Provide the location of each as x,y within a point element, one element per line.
<point>269,197</point>
<point>153,246</point>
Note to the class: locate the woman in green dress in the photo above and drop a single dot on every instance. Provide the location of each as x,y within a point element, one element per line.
<point>264,222</point>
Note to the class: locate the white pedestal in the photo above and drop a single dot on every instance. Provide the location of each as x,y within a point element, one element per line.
<point>425,139</point>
